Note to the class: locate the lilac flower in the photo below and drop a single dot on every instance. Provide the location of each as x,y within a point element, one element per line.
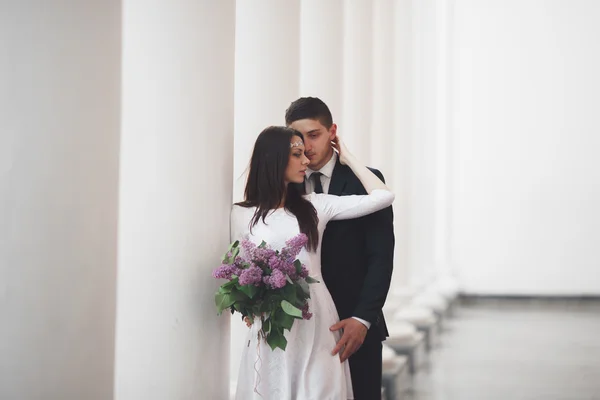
<point>275,262</point>
<point>304,272</point>
<point>259,255</point>
<point>263,254</point>
<point>251,276</point>
<point>277,280</point>
<point>248,248</point>
<point>226,272</point>
<point>295,245</point>
<point>305,313</point>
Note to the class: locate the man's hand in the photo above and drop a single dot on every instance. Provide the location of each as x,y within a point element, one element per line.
<point>352,338</point>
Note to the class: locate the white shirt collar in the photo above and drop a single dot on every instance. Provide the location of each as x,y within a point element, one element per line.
<point>327,169</point>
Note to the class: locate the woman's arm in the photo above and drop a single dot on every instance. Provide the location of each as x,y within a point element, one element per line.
<point>369,180</point>
<point>347,207</point>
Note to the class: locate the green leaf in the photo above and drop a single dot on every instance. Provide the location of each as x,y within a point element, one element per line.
<point>262,245</point>
<point>304,286</point>
<point>238,295</point>
<point>289,293</point>
<point>283,320</point>
<point>290,309</point>
<point>266,326</point>
<point>223,301</point>
<point>298,266</point>
<point>233,248</point>
<point>308,279</point>
<point>276,339</point>
<point>249,290</point>
<point>227,286</point>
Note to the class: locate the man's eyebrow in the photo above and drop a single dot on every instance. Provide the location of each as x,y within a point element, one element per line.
<point>313,130</point>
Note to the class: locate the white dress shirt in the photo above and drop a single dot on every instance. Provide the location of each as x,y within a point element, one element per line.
<point>326,172</point>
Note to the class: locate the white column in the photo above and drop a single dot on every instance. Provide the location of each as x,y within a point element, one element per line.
<point>59,143</point>
<point>266,82</point>
<point>267,69</point>
<point>382,105</point>
<point>423,162</point>
<point>355,124</point>
<point>428,144</point>
<point>447,283</point>
<point>321,52</point>
<point>403,130</point>
<point>175,196</point>
<point>388,132</point>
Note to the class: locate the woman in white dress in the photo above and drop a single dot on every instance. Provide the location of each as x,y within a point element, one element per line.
<point>276,209</point>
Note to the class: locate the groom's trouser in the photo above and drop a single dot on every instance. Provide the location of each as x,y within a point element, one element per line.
<point>365,368</point>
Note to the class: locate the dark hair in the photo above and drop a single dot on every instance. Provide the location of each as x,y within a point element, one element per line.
<point>266,186</point>
<point>309,108</point>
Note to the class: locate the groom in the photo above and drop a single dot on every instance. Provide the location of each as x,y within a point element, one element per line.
<point>356,256</point>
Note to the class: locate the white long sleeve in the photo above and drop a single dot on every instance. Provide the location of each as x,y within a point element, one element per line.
<point>347,207</point>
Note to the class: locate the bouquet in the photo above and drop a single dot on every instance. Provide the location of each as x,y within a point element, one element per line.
<point>268,284</point>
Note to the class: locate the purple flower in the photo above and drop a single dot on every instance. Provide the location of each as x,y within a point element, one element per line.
<point>263,254</point>
<point>305,313</point>
<point>259,255</point>
<point>226,272</point>
<point>251,276</point>
<point>295,245</point>
<point>304,272</point>
<point>248,247</point>
<point>275,262</point>
<point>277,280</point>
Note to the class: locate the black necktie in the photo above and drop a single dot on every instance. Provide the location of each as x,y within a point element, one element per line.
<point>316,179</point>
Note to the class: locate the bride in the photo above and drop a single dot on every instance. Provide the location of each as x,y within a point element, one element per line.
<point>276,209</point>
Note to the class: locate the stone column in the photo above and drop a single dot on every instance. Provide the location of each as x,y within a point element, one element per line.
<point>267,80</point>
<point>59,145</point>
<point>321,52</point>
<point>357,98</point>
<point>422,150</point>
<point>403,130</point>
<point>267,66</point>
<point>381,137</point>
<point>446,281</point>
<point>175,199</point>
<point>429,205</point>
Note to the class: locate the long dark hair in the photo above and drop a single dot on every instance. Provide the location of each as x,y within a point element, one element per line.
<point>266,186</point>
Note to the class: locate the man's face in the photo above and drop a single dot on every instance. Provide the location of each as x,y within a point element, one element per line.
<point>317,141</point>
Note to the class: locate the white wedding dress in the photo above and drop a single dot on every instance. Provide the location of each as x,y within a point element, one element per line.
<point>306,370</point>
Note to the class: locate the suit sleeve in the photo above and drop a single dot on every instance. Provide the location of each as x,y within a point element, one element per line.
<point>379,245</point>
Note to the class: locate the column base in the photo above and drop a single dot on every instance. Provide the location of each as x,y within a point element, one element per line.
<point>414,349</point>
<point>396,378</point>
<point>424,319</point>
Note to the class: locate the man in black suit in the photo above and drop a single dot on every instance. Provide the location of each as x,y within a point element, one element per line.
<point>356,256</point>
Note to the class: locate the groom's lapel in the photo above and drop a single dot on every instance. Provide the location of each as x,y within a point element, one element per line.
<point>339,177</point>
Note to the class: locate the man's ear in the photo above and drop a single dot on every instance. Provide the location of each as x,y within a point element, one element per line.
<point>332,131</point>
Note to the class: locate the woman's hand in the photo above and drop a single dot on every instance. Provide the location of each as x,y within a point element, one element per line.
<point>339,146</point>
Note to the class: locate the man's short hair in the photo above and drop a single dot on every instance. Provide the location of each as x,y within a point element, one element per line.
<point>309,108</point>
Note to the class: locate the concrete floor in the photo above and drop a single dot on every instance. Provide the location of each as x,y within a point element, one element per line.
<point>515,350</point>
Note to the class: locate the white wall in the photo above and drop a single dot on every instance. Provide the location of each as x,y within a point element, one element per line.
<point>59,145</point>
<point>526,183</point>
<point>175,199</point>
<point>267,80</point>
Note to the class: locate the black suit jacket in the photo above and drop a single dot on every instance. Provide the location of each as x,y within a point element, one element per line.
<point>357,256</point>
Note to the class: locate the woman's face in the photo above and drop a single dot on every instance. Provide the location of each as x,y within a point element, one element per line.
<point>297,164</point>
